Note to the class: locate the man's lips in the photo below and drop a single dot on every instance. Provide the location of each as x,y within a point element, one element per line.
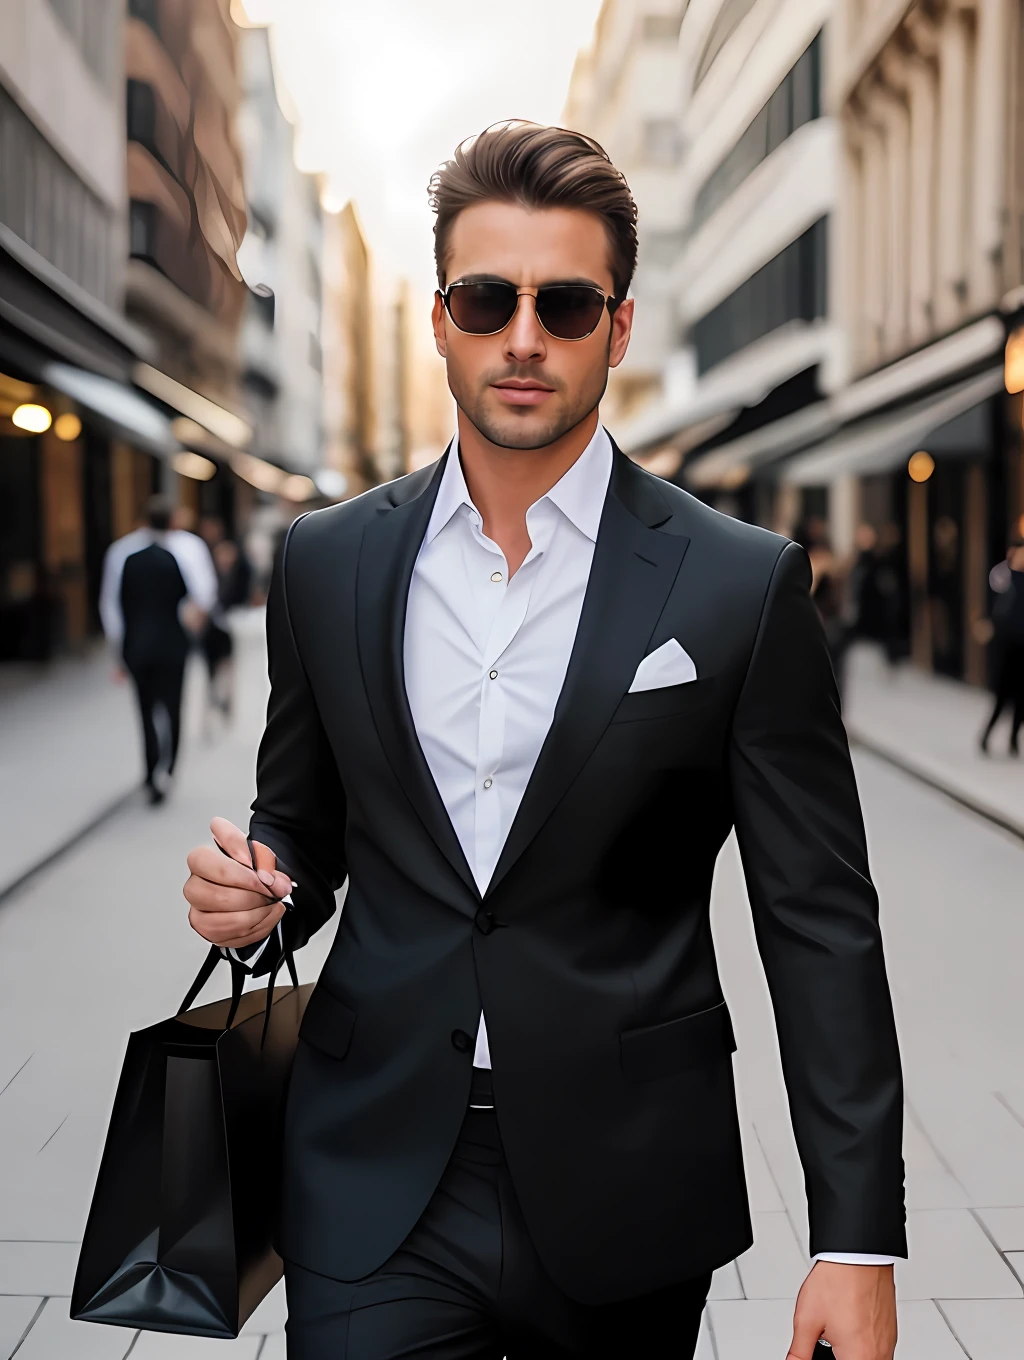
<point>523,394</point>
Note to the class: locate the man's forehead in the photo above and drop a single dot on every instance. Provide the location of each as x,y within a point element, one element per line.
<point>509,241</point>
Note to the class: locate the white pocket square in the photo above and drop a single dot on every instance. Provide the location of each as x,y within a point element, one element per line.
<point>668,665</point>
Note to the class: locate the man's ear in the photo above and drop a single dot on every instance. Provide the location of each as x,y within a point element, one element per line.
<point>440,332</point>
<point>622,325</point>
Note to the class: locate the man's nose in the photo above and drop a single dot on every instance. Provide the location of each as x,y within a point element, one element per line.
<point>524,337</point>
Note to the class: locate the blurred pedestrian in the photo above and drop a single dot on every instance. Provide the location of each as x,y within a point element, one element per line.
<point>234,582</point>
<point>827,591</point>
<point>157,590</point>
<point>1007,580</point>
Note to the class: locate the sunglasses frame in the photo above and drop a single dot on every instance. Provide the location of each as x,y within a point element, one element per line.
<point>608,299</point>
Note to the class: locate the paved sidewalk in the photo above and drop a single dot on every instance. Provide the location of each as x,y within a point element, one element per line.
<point>69,749</point>
<point>930,726</point>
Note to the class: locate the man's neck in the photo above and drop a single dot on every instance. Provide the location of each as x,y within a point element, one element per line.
<point>504,483</point>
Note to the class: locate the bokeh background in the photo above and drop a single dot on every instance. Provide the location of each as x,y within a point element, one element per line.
<point>215,282</point>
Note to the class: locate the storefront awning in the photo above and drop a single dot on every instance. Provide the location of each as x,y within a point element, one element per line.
<point>884,442</point>
<point>137,419</point>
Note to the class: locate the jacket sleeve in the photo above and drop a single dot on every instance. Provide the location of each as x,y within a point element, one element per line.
<point>815,911</point>
<point>299,810</point>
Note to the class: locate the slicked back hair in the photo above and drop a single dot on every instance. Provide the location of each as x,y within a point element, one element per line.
<point>536,167</point>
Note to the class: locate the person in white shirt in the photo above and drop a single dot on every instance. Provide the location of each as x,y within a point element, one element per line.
<point>519,700</point>
<point>158,586</point>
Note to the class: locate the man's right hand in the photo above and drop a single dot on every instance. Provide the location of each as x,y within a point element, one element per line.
<point>230,904</point>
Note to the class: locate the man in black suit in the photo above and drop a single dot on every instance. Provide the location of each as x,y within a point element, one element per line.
<point>519,700</point>
<point>150,577</point>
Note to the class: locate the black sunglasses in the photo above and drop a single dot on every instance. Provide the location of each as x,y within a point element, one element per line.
<point>567,311</point>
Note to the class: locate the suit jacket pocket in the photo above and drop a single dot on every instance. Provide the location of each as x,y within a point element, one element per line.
<point>328,1023</point>
<point>677,1045</point>
<point>668,701</point>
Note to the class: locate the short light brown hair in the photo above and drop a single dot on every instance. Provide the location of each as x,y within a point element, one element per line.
<point>537,167</point>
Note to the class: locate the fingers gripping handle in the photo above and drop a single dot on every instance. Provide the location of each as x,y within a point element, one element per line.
<point>238,972</point>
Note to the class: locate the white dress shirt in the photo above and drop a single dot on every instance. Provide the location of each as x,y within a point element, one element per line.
<point>485,657</point>
<point>188,550</point>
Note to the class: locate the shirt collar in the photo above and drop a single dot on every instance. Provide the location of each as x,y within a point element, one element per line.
<point>579,494</point>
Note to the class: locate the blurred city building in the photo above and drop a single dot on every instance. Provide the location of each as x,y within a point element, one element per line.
<point>625,92</point>
<point>926,441</point>
<point>69,477</point>
<point>832,277</point>
<point>350,422</point>
<point>754,345</point>
<point>281,356</point>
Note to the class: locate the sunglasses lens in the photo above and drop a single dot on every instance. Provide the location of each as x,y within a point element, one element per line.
<point>482,308</point>
<point>569,313</point>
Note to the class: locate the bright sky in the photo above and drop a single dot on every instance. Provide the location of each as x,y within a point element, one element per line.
<point>384,90</point>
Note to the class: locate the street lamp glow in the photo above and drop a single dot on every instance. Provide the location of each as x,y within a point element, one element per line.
<point>298,488</point>
<point>921,466</point>
<point>67,427</point>
<point>194,465</point>
<point>31,417</point>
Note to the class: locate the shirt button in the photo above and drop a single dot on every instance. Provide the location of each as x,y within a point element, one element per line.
<point>494,675</point>
<point>461,1041</point>
<point>496,576</point>
<point>488,783</point>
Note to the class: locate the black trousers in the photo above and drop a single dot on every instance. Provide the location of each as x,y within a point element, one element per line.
<point>1009,691</point>
<point>158,686</point>
<point>467,1284</point>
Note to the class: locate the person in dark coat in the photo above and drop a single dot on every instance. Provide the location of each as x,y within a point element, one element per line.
<point>147,578</point>
<point>1008,622</point>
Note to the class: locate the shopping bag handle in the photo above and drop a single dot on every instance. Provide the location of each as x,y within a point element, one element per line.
<point>206,971</point>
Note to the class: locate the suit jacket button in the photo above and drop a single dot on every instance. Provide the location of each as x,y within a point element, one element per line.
<point>461,1041</point>
<point>484,921</point>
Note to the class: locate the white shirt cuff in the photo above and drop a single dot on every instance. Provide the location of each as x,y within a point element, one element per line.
<point>854,1258</point>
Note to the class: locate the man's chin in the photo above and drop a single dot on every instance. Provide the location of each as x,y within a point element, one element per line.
<point>524,432</point>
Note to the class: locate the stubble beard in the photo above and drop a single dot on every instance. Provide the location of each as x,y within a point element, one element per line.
<point>515,430</point>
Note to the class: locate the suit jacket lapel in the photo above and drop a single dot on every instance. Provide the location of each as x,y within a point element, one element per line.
<point>391,542</point>
<point>633,570</point>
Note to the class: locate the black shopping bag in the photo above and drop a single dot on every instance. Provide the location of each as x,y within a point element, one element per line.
<point>179,1235</point>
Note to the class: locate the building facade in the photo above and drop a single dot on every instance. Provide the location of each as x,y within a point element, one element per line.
<point>752,346</point>
<point>926,444</point>
<point>350,417</point>
<point>624,92</point>
<point>281,256</point>
<point>77,444</point>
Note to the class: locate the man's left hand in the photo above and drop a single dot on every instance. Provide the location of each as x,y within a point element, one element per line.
<point>853,1308</point>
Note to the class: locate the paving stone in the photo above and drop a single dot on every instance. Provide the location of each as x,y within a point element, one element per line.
<point>1006,1226</point>
<point>725,1283</point>
<point>40,1268</point>
<point>165,1346</point>
<point>16,1312</point>
<point>705,1348</point>
<point>54,1336</point>
<point>774,1267</point>
<point>754,1330</point>
<point>987,1329</point>
<point>950,1257</point>
<point>924,1334</point>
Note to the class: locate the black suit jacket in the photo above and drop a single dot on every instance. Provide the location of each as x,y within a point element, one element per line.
<point>152,588</point>
<point>591,952</point>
